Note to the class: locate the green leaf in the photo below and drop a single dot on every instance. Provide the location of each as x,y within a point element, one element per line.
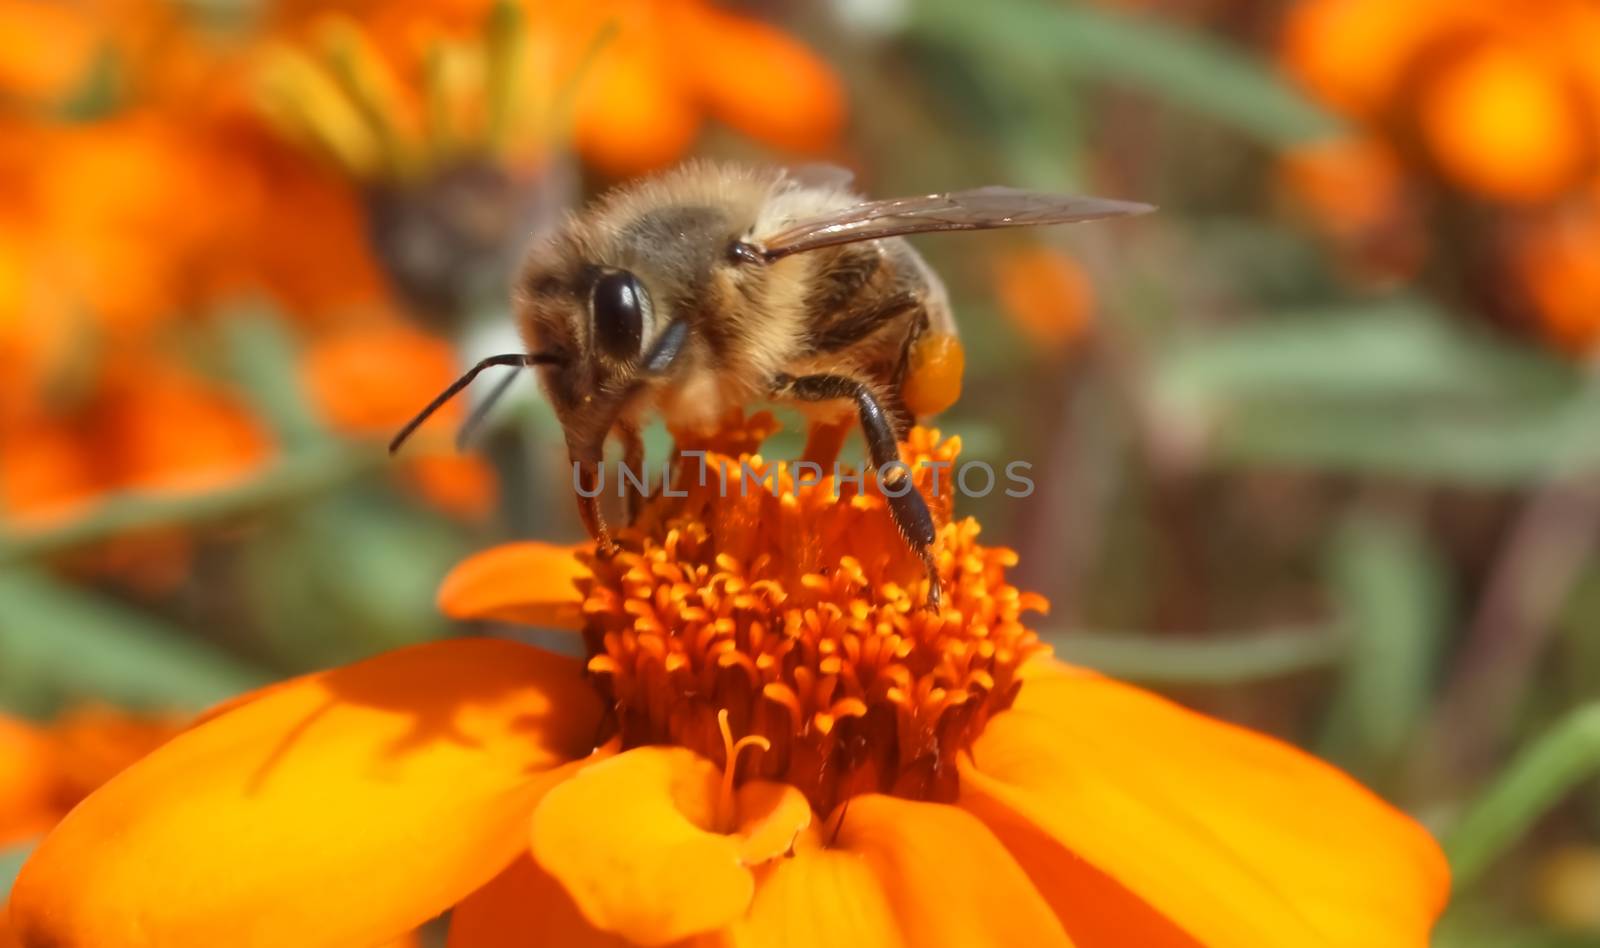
<point>1394,389</point>
<point>1179,66</point>
<point>1537,778</point>
<point>1479,925</point>
<point>349,577</point>
<point>1214,660</point>
<point>1392,600</point>
<point>262,357</point>
<point>1380,352</point>
<point>58,643</point>
<point>287,482</point>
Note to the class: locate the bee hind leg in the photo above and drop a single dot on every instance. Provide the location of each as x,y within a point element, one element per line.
<point>906,504</point>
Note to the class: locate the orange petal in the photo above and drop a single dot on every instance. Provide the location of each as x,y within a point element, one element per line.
<point>342,808</point>
<point>949,880</point>
<point>771,816</point>
<point>819,897</point>
<point>635,840</point>
<point>896,873</point>
<point>531,583</point>
<point>523,906</point>
<point>1238,839</point>
<point>1096,910</point>
<point>8,935</point>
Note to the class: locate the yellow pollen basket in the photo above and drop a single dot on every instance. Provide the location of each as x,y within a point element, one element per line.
<point>789,612</point>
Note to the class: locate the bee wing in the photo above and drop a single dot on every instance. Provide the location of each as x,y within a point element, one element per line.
<point>979,209</point>
<point>821,174</point>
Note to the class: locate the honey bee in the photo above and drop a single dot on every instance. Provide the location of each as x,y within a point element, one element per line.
<point>710,287</point>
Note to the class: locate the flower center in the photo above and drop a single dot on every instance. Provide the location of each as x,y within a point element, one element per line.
<point>767,603</point>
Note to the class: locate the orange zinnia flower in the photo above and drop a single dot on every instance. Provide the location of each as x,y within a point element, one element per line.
<point>770,742</point>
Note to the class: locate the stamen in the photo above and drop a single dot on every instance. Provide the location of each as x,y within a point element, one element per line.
<point>726,813</point>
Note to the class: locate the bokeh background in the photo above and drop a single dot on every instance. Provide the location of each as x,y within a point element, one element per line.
<point>1316,446</point>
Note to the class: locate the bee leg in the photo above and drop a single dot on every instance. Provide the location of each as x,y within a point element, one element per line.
<point>590,485</point>
<point>635,479</point>
<point>906,504</point>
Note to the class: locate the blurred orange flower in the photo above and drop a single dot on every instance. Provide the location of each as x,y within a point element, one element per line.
<point>1352,186</point>
<point>643,99</point>
<point>462,485</point>
<point>770,742</point>
<point>1503,123</point>
<point>53,47</point>
<point>46,769</point>
<point>1355,192</point>
<point>44,71</point>
<point>148,425</point>
<point>168,430</point>
<point>1558,262</point>
<point>1498,94</point>
<point>1048,296</point>
<point>115,228</point>
<point>368,380</point>
<point>91,211</point>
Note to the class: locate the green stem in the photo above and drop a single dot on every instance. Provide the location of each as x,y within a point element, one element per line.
<point>293,478</point>
<point>1177,661</point>
<point>1536,779</point>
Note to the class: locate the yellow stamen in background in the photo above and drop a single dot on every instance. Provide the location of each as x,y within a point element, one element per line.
<point>307,104</point>
<point>374,91</point>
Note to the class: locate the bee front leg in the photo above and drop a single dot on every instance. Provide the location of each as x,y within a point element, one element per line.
<point>906,506</point>
<point>633,473</point>
<point>589,481</point>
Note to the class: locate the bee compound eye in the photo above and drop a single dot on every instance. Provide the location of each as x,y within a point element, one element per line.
<point>620,306</point>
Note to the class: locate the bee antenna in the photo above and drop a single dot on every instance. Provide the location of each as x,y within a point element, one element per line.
<point>513,359</point>
<point>480,412</point>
